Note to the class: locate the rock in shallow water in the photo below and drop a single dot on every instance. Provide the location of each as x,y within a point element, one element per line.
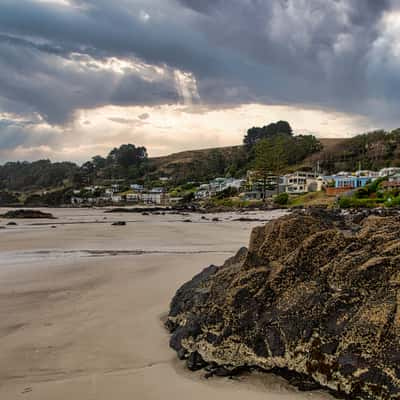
<point>315,298</point>
<point>29,214</point>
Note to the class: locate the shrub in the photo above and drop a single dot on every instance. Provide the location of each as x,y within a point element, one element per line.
<point>392,201</point>
<point>362,193</point>
<point>353,202</point>
<point>226,193</point>
<point>373,186</point>
<point>281,199</point>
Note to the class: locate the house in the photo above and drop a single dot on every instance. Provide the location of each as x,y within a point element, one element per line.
<point>389,171</point>
<point>369,173</point>
<point>108,192</point>
<point>322,182</point>
<point>257,183</point>
<point>344,182</point>
<point>351,181</point>
<point>157,190</point>
<point>116,198</point>
<point>302,182</point>
<point>202,193</point>
<point>155,196</point>
<point>136,187</point>
<point>391,185</point>
<point>115,188</point>
<point>233,183</point>
<point>217,185</point>
<point>133,197</point>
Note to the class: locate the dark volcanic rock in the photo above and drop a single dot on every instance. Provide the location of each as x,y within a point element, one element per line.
<point>119,223</point>
<point>314,298</point>
<point>30,214</point>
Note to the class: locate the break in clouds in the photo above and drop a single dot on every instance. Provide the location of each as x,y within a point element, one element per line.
<point>59,57</point>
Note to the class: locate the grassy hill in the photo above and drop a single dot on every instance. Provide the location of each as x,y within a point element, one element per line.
<point>182,163</point>
<point>373,150</point>
<point>168,164</point>
<point>199,164</point>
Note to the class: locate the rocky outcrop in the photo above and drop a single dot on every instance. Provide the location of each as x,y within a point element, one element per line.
<point>315,298</point>
<point>30,214</point>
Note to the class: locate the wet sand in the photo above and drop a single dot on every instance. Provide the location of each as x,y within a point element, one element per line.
<point>81,307</point>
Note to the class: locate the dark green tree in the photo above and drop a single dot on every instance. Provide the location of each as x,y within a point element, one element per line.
<point>256,134</point>
<point>99,162</point>
<point>271,159</point>
<point>127,155</point>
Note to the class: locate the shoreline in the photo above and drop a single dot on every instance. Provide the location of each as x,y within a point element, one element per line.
<point>90,327</point>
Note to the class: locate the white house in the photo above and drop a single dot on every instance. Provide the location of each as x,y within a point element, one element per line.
<point>234,183</point>
<point>136,187</point>
<point>133,197</point>
<point>116,198</point>
<point>218,185</point>
<point>154,196</point>
<point>202,194</point>
<point>108,192</point>
<point>115,187</point>
<point>368,173</point>
<point>302,182</point>
<point>389,171</point>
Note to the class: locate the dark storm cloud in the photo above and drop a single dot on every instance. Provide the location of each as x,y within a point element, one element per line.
<point>14,134</point>
<point>309,52</point>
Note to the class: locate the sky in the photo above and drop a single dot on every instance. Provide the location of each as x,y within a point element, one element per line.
<point>79,77</point>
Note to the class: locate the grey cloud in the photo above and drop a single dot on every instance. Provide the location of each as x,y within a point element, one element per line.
<point>14,134</point>
<point>133,122</point>
<point>310,52</point>
<point>45,83</point>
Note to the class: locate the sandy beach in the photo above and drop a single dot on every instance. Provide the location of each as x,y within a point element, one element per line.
<point>82,303</point>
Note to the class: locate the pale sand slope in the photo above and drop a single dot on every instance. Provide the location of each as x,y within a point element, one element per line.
<point>75,326</point>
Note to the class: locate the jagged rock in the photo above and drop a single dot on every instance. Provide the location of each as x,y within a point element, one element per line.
<point>30,214</point>
<point>315,298</point>
<point>195,361</point>
<point>119,223</point>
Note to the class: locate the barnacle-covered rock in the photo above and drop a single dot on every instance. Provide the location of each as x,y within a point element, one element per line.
<point>315,295</point>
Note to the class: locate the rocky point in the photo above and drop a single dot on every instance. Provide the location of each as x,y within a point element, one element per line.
<point>314,298</point>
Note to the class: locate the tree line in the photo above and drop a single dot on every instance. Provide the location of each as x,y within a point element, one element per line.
<point>129,162</point>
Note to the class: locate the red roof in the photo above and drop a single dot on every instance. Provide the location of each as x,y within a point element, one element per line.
<point>391,184</point>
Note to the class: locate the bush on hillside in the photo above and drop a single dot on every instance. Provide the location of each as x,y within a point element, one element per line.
<point>281,199</point>
<point>353,202</point>
<point>392,201</point>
